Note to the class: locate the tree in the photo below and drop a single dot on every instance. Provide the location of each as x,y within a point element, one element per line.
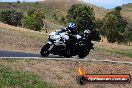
<point>96,35</point>
<point>128,34</point>
<point>34,20</point>
<point>99,24</point>
<point>31,12</point>
<point>18,2</point>
<point>37,2</point>
<point>114,26</point>
<point>11,17</point>
<point>10,3</point>
<point>83,16</point>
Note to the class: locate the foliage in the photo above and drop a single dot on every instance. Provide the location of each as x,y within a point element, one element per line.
<point>37,2</point>
<point>11,17</point>
<point>114,26</point>
<point>18,2</point>
<point>83,16</point>
<point>128,35</point>
<point>34,20</point>
<point>96,35</point>
<point>96,31</point>
<point>10,3</point>
<point>99,24</point>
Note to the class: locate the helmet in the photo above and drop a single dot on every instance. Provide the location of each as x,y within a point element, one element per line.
<point>71,25</point>
<point>87,31</point>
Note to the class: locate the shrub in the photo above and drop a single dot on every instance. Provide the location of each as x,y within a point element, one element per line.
<point>18,2</point>
<point>34,20</point>
<point>11,17</point>
<point>37,2</point>
<point>114,26</point>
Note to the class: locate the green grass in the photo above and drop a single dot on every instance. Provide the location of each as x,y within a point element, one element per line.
<point>122,52</point>
<point>17,79</point>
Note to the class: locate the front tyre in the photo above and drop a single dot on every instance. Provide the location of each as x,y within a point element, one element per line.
<point>44,51</point>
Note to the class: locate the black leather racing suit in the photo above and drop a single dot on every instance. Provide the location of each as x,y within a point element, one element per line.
<point>72,39</point>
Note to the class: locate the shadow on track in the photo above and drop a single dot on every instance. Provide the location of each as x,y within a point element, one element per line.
<point>23,54</point>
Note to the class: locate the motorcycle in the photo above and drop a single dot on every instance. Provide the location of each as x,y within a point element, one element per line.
<point>57,45</point>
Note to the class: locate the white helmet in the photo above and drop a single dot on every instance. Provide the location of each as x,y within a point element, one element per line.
<point>87,31</point>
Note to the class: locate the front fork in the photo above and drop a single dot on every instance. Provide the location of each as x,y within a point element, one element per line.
<point>51,46</point>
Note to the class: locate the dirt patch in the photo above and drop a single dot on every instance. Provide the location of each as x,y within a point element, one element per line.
<point>63,73</point>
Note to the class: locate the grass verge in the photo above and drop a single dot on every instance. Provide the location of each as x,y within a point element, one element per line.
<point>127,53</point>
<point>16,79</point>
<point>62,73</point>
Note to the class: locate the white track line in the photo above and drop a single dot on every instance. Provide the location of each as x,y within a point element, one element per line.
<point>73,59</point>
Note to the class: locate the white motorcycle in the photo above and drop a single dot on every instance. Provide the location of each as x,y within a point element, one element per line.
<point>57,43</point>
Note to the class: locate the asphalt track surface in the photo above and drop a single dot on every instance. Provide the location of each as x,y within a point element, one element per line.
<point>23,55</point>
<point>12,54</point>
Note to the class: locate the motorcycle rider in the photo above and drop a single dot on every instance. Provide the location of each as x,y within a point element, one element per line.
<point>88,35</point>
<point>72,31</point>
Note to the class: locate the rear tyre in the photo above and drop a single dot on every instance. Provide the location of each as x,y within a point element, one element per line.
<point>44,51</point>
<point>67,54</point>
<point>83,54</point>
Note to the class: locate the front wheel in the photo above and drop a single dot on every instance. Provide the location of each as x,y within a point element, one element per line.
<point>44,51</point>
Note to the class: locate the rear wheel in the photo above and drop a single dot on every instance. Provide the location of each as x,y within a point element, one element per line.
<point>67,54</point>
<point>44,51</point>
<point>83,54</point>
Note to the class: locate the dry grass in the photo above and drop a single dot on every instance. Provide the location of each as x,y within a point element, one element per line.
<point>15,38</point>
<point>107,51</point>
<point>127,11</point>
<point>62,73</point>
<point>112,46</point>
